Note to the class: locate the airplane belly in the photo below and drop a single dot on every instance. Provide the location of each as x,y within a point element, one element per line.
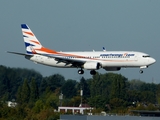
<point>119,63</point>
<point>49,61</point>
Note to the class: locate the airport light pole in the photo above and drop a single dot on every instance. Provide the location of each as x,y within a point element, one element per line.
<point>81,94</point>
<point>60,98</point>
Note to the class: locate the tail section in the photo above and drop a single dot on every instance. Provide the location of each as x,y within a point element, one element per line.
<point>30,40</point>
<point>32,44</point>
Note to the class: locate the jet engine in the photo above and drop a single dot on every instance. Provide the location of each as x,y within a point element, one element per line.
<point>92,65</point>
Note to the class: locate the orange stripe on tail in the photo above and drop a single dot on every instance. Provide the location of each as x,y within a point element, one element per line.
<point>29,33</point>
<point>47,50</point>
<point>35,42</point>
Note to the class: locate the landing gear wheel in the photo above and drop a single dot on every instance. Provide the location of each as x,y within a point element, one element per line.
<point>92,72</point>
<point>141,71</point>
<point>80,71</point>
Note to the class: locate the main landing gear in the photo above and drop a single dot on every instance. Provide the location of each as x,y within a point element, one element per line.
<point>80,71</point>
<point>92,72</point>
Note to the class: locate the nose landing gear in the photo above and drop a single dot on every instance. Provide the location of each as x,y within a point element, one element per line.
<point>141,71</point>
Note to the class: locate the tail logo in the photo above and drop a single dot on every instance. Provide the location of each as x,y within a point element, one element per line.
<point>31,42</point>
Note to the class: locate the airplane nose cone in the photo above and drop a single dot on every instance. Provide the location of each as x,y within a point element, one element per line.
<point>153,60</point>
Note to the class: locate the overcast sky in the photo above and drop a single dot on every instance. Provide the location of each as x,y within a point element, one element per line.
<point>82,25</point>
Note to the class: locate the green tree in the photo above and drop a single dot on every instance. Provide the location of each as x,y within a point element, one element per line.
<point>34,94</point>
<point>69,88</point>
<point>12,78</point>
<point>98,101</point>
<point>96,85</point>
<point>149,87</point>
<point>51,101</point>
<point>158,93</point>
<point>117,102</point>
<point>101,84</point>
<point>104,87</point>
<point>25,95</point>
<point>148,96</point>
<point>55,81</point>
<point>85,87</point>
<point>119,87</point>
<point>135,84</point>
<point>19,95</point>
<point>39,105</point>
<point>43,86</point>
<point>133,96</point>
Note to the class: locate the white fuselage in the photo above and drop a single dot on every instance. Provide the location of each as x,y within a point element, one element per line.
<point>107,59</point>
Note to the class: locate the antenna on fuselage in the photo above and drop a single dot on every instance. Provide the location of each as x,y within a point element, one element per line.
<point>104,49</point>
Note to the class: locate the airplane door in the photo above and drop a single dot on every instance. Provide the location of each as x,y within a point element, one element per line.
<point>136,58</point>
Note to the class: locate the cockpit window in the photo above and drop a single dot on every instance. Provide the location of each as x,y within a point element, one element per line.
<point>145,56</point>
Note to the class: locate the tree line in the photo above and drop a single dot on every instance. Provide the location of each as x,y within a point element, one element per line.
<point>38,96</point>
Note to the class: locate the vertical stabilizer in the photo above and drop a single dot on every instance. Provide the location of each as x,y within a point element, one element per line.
<point>30,40</point>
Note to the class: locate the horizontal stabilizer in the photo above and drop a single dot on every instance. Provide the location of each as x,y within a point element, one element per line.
<point>24,54</point>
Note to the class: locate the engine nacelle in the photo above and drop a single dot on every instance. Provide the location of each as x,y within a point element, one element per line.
<point>112,68</point>
<point>92,65</point>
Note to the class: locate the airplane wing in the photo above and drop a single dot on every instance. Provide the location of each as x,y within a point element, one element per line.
<point>67,60</point>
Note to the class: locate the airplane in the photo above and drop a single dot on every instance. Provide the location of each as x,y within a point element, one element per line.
<point>90,60</point>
